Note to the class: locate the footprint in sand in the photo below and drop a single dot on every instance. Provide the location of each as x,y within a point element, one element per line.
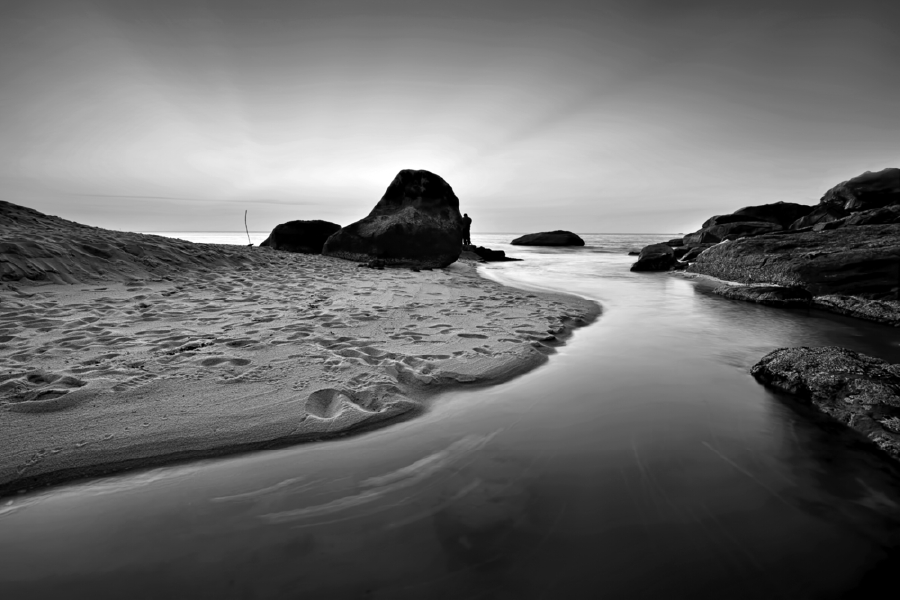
<point>241,343</point>
<point>215,361</point>
<point>41,391</point>
<point>327,403</point>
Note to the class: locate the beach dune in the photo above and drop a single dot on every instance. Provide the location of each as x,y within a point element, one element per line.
<point>121,349</point>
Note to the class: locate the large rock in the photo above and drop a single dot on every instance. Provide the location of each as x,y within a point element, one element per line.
<point>780,213</point>
<point>730,231</point>
<point>300,236</point>
<point>861,261</point>
<point>549,238</point>
<point>746,222</point>
<point>858,390</point>
<point>864,192</point>
<point>655,257</point>
<point>416,223</point>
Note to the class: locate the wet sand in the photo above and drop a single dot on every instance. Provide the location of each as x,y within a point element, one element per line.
<point>122,350</point>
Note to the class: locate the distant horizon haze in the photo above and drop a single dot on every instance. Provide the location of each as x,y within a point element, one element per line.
<point>607,115</point>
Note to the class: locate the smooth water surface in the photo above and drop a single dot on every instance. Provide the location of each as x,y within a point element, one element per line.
<point>643,461</point>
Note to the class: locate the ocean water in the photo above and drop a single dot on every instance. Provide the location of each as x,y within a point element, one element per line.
<point>642,461</point>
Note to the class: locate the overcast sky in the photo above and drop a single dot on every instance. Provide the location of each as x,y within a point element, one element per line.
<point>593,116</point>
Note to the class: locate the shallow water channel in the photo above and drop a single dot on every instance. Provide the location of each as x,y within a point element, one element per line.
<point>643,461</point>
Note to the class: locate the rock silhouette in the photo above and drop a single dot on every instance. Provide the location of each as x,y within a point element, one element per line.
<point>307,237</point>
<point>415,224</point>
<point>865,192</point>
<point>747,221</point>
<point>549,238</point>
<point>487,254</point>
<point>655,257</point>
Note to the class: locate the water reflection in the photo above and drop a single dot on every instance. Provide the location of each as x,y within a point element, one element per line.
<point>642,462</point>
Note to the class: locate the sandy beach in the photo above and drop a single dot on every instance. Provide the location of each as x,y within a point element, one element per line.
<point>122,350</point>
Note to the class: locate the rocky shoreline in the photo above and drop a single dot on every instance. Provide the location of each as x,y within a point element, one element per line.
<point>841,255</point>
<point>845,250</point>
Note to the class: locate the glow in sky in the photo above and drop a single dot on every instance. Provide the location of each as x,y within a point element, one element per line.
<point>631,116</point>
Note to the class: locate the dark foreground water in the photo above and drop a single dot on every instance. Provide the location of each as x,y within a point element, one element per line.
<point>642,462</point>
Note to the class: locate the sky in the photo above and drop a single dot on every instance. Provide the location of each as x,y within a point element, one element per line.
<point>592,116</point>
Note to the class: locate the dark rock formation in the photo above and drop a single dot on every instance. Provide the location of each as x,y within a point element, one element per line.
<point>862,193</point>
<point>746,222</point>
<point>694,251</point>
<point>876,216</point>
<point>861,261</point>
<point>488,255</point>
<point>780,213</point>
<point>549,238</point>
<point>820,216</point>
<point>770,295</point>
<point>731,231</point>
<point>857,390</point>
<point>416,223</point>
<point>300,236</point>
<point>847,247</point>
<point>676,242</point>
<point>655,257</point>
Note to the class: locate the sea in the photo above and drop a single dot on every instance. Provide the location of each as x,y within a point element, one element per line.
<point>642,461</point>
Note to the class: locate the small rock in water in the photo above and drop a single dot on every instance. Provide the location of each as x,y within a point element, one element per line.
<point>655,257</point>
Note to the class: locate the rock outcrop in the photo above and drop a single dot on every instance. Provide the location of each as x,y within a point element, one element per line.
<point>416,224</point>
<point>865,192</point>
<point>730,231</point>
<point>549,238</point>
<point>655,257</point>
<point>860,261</point>
<point>307,237</point>
<point>488,255</point>
<point>780,213</point>
<point>746,222</point>
<point>857,390</point>
<point>846,248</point>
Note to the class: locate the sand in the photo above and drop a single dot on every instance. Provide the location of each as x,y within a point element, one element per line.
<point>120,350</point>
